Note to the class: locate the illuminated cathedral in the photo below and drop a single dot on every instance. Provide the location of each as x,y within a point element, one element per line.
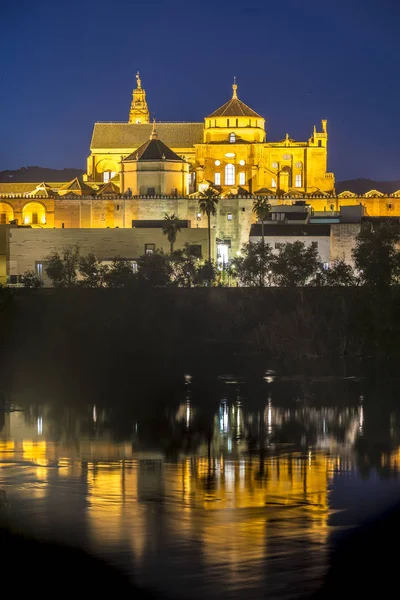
<point>230,151</point>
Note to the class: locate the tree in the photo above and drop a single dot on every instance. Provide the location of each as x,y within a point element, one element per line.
<point>339,274</point>
<point>93,274</point>
<point>120,274</point>
<point>208,206</point>
<point>62,267</point>
<point>376,256</point>
<point>295,264</point>
<point>253,267</point>
<point>31,280</point>
<point>261,208</point>
<point>184,267</point>
<point>155,269</point>
<point>171,228</point>
<point>206,274</point>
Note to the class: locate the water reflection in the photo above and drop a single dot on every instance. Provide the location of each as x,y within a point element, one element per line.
<point>220,499</point>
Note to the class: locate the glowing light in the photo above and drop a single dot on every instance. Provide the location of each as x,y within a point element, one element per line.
<point>94,413</point>
<point>217,163</point>
<point>230,154</point>
<point>40,425</point>
<point>269,415</point>
<point>242,162</point>
<point>26,220</point>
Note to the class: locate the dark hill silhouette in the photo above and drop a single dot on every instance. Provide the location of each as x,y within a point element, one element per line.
<point>361,186</point>
<point>37,174</point>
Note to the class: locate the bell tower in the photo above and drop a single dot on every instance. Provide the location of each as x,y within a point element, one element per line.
<point>139,112</point>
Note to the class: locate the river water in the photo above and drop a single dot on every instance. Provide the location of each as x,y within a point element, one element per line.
<point>222,499</point>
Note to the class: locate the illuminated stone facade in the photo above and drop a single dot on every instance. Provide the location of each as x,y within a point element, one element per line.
<point>229,150</point>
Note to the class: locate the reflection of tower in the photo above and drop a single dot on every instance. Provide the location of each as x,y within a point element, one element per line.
<point>237,421</point>
<point>150,479</point>
<point>223,417</point>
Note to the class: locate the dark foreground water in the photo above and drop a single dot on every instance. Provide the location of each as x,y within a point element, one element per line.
<point>240,494</point>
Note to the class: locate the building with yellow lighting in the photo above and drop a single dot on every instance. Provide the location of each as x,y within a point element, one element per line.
<point>138,171</point>
<point>229,150</point>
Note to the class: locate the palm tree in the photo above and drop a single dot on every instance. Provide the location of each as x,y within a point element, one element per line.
<point>262,208</point>
<point>208,206</point>
<point>171,228</point>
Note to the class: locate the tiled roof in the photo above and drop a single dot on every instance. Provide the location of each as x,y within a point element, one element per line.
<point>133,135</point>
<point>109,188</point>
<point>24,188</point>
<point>235,108</point>
<point>76,186</point>
<point>153,150</point>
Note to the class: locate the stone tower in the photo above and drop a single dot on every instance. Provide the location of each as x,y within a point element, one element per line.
<point>139,112</point>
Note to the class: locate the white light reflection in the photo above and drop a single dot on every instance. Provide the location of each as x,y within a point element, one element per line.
<point>361,416</point>
<point>269,415</point>
<point>188,411</point>
<point>94,413</point>
<point>40,425</point>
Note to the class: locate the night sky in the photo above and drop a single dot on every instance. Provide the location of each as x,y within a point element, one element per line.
<point>66,64</point>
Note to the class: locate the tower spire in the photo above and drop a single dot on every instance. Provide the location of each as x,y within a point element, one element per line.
<point>139,112</point>
<point>234,88</point>
<point>154,134</point>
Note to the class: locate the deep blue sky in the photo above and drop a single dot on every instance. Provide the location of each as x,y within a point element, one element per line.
<point>65,64</point>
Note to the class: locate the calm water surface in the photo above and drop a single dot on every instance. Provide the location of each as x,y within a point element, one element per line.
<point>244,498</point>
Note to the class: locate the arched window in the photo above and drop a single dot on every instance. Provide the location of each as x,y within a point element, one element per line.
<point>232,138</point>
<point>230,174</point>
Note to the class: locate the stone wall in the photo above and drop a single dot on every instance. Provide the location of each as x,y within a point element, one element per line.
<point>27,246</point>
<point>343,240</point>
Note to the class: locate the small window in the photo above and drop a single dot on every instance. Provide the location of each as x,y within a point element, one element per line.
<point>273,182</point>
<point>320,143</point>
<point>314,244</point>
<point>195,250</point>
<point>3,218</point>
<point>232,138</point>
<point>298,180</point>
<point>237,122</point>
<point>39,270</point>
<point>217,178</point>
<point>117,206</point>
<point>149,248</point>
<point>242,178</point>
<point>229,216</point>
<point>106,176</point>
<point>286,157</point>
<point>35,219</point>
<point>134,266</point>
<point>325,266</point>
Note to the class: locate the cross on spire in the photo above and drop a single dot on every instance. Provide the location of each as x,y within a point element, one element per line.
<point>154,135</point>
<point>234,88</point>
